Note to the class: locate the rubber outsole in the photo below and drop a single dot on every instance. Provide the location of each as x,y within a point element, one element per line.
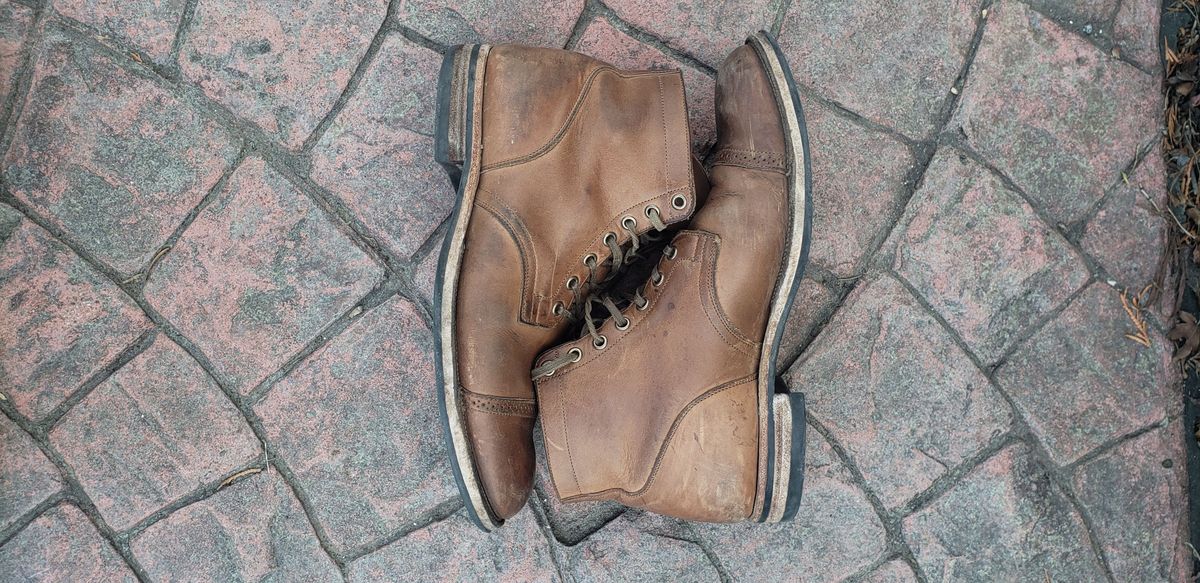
<point>769,53</point>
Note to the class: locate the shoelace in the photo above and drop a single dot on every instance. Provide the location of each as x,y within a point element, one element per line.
<point>619,258</point>
<point>592,324</point>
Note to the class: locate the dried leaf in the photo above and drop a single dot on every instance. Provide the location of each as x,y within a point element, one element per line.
<point>1187,331</point>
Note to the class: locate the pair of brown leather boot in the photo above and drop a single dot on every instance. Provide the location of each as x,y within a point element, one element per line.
<point>566,170</point>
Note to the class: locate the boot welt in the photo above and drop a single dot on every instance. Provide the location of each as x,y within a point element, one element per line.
<point>457,149</point>
<point>781,414</point>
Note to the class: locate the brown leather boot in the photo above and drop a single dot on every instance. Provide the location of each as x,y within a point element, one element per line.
<point>670,404</point>
<point>562,163</point>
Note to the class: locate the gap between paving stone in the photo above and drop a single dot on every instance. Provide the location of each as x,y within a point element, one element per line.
<point>593,8</point>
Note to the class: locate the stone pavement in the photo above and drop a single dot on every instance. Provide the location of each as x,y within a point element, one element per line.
<point>219,221</point>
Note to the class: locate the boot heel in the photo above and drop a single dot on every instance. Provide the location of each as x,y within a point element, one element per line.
<point>788,475</point>
<point>453,99</point>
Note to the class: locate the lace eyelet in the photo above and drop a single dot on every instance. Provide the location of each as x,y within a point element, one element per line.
<point>589,260</point>
<point>670,252</point>
<point>600,342</point>
<point>629,223</point>
<point>610,236</point>
<point>578,354</point>
<point>642,308</point>
<point>559,308</point>
<point>657,279</point>
<point>679,202</point>
<point>623,327</point>
<point>653,209</point>
<point>572,282</point>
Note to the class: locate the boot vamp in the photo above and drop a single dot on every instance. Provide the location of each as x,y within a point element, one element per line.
<point>618,423</point>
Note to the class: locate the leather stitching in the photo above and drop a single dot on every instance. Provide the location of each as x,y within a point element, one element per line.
<point>708,288</point>
<point>507,217</point>
<point>711,271</point>
<point>562,131</point>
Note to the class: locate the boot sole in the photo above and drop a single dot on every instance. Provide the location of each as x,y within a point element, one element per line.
<point>456,148</point>
<point>781,413</point>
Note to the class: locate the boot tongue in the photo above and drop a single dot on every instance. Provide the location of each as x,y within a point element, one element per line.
<point>747,116</point>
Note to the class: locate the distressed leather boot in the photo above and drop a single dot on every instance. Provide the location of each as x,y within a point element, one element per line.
<point>562,164</point>
<point>671,403</point>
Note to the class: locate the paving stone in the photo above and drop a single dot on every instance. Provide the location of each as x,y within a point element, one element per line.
<point>636,547</point>
<point>281,65</point>
<point>603,41</point>
<point>358,424</point>
<point>253,530</point>
<point>26,477</point>
<point>527,22</point>
<point>705,29</point>
<point>1053,112</point>
<point>859,187</point>
<point>979,254</point>
<point>377,156</point>
<point>1128,236</point>
<point>454,549</point>
<point>1136,32</point>
<point>1078,14</point>
<point>812,302</point>
<point>1006,521</point>
<point>836,533</point>
<point>890,384</point>
<point>15,22</point>
<point>62,546</point>
<point>425,274</point>
<point>153,432</point>
<point>1136,496</point>
<point>147,24</point>
<point>1080,382</point>
<point>258,275</point>
<point>60,320</point>
<point>570,522</point>
<point>108,156</point>
<point>894,62</point>
<point>895,571</point>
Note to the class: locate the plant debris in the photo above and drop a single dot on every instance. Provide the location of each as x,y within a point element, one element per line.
<point>241,474</point>
<point>1134,309</point>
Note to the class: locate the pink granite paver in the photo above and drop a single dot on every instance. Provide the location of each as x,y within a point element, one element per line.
<point>60,321</point>
<point>62,546</point>
<point>254,529</point>
<point>15,23</point>
<point>261,272</point>
<point>1052,111</point>
<point>376,155</point>
<point>27,477</point>
<point>155,431</point>
<point>146,24</point>
<point>891,385</point>
<point>108,156</point>
<point>280,65</point>
<point>976,411</point>
<point>364,454</point>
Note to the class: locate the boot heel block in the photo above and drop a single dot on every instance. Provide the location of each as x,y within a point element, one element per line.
<point>787,484</point>
<point>453,99</point>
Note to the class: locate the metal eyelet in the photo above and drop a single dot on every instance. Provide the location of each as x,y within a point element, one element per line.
<point>629,223</point>
<point>572,282</point>
<point>679,202</point>
<point>559,308</point>
<point>577,352</point>
<point>623,327</point>
<point>589,260</point>
<point>652,208</point>
<point>670,252</point>
<point>657,279</point>
<point>610,235</point>
<point>642,308</point>
<point>600,342</point>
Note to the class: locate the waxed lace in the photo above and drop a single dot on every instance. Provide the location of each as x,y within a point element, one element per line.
<point>592,324</point>
<point>618,257</point>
